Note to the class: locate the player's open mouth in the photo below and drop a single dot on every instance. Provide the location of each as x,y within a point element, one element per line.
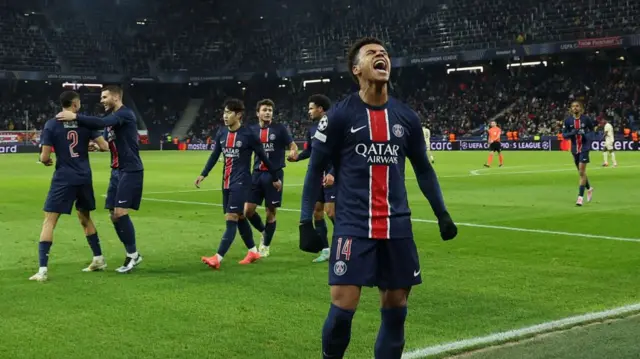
<point>380,66</point>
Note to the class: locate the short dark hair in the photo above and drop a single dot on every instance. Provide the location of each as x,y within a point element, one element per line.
<point>116,90</point>
<point>355,49</point>
<point>67,97</point>
<point>321,101</point>
<point>234,104</point>
<point>265,102</point>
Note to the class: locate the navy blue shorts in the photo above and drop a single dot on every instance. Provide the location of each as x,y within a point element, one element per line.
<point>262,189</point>
<point>582,157</point>
<point>327,195</point>
<point>233,200</point>
<point>363,262</point>
<point>62,196</point>
<point>125,190</point>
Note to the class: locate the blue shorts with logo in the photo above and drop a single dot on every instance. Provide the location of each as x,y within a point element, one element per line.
<point>233,200</point>
<point>62,196</point>
<point>582,157</point>
<point>364,262</point>
<point>262,189</point>
<point>125,190</point>
<point>327,195</point>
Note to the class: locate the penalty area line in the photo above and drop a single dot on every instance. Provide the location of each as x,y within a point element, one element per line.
<point>419,220</point>
<point>461,346</point>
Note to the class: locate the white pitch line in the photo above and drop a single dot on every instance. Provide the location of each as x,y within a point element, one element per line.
<point>500,172</point>
<point>520,333</point>
<point>211,189</point>
<point>472,173</point>
<point>460,224</point>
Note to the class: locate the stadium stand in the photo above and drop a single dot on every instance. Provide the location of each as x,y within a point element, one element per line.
<point>144,38</point>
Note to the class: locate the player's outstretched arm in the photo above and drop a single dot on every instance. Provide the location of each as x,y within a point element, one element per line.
<point>567,131</point>
<point>428,181</point>
<point>92,122</point>
<point>306,153</point>
<point>213,159</point>
<point>102,144</point>
<point>46,140</point>
<point>318,162</point>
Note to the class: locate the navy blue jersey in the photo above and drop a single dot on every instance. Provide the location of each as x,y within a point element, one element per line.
<point>71,145</point>
<point>580,131</point>
<point>275,139</point>
<point>237,148</point>
<point>306,153</point>
<point>121,130</point>
<point>368,146</point>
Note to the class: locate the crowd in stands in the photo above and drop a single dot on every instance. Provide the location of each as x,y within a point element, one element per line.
<point>142,36</point>
<point>529,100</point>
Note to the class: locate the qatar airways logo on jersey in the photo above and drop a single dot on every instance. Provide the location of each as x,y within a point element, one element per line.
<point>268,147</point>
<point>231,152</point>
<point>379,153</point>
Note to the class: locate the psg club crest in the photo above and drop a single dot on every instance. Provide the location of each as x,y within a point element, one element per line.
<point>272,136</point>
<point>322,125</point>
<point>238,143</point>
<point>340,268</point>
<point>398,130</point>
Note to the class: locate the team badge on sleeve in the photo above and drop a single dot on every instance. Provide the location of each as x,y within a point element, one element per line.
<point>322,125</point>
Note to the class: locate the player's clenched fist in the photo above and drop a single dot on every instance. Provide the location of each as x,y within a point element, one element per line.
<point>328,180</point>
<point>199,180</point>
<point>278,185</point>
<point>448,229</point>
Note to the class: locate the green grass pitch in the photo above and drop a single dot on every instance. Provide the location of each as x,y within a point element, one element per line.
<point>173,306</point>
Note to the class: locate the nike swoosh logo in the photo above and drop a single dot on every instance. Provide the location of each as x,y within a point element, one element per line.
<point>275,202</point>
<point>232,207</point>
<point>416,273</point>
<point>122,201</point>
<point>354,130</point>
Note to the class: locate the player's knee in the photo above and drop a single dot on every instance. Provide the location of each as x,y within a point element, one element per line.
<point>85,219</point>
<point>50,218</point>
<point>232,217</point>
<point>396,298</point>
<point>271,214</point>
<point>120,212</point>
<point>345,296</point>
<point>249,210</point>
<point>318,215</point>
<point>330,210</point>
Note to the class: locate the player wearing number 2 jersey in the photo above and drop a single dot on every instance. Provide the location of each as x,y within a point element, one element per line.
<point>125,187</point>
<point>71,182</point>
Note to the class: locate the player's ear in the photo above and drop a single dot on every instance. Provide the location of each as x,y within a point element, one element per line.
<point>355,70</point>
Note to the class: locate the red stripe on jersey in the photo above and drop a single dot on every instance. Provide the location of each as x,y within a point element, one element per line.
<point>576,125</point>
<point>379,209</point>
<point>228,161</point>
<point>115,161</point>
<point>264,138</point>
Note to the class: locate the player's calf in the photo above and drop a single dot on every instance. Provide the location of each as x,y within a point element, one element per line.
<point>44,246</point>
<point>127,235</point>
<point>336,332</point>
<point>390,341</point>
<point>98,263</point>
<point>269,230</point>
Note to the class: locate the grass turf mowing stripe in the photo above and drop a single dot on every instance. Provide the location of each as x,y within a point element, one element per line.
<point>460,224</point>
<point>497,338</point>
